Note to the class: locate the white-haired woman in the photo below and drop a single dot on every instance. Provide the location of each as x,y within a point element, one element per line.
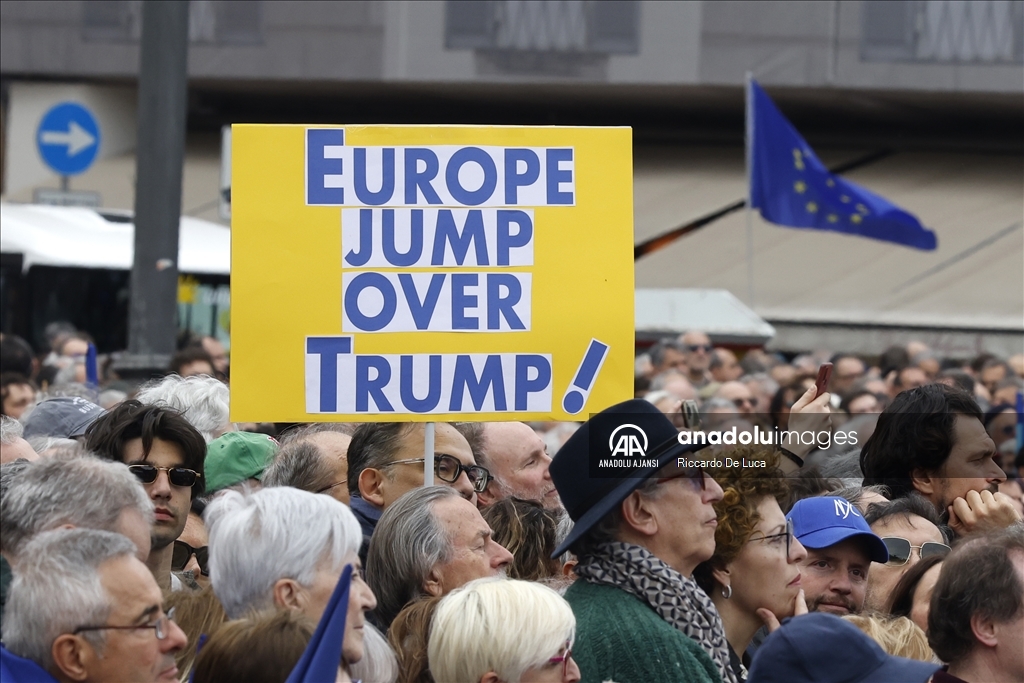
<point>282,548</point>
<point>503,631</point>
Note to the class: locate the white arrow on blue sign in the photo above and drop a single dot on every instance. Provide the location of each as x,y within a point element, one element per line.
<point>68,138</point>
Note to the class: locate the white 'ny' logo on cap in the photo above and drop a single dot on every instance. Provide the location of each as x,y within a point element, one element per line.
<point>845,508</point>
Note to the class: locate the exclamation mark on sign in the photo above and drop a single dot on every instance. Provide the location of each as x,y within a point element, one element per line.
<point>586,374</point>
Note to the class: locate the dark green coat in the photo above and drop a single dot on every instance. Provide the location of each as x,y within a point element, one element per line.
<point>620,638</point>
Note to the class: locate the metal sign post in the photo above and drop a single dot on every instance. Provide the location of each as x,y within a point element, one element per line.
<point>428,454</point>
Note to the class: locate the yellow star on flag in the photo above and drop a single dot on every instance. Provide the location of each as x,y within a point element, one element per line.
<point>800,186</point>
<point>855,218</point>
<point>832,218</point>
<point>812,207</point>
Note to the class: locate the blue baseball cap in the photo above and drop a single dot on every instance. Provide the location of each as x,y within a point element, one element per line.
<point>64,417</point>
<point>822,648</point>
<point>826,520</point>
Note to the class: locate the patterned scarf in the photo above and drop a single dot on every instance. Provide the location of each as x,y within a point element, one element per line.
<point>676,598</point>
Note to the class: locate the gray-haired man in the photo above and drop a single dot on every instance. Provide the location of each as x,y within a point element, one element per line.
<point>80,603</point>
<point>81,491</point>
<point>429,542</point>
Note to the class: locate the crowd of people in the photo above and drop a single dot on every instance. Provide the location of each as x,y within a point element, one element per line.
<point>145,537</point>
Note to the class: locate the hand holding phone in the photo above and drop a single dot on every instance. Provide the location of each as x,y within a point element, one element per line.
<point>691,414</point>
<point>824,375</point>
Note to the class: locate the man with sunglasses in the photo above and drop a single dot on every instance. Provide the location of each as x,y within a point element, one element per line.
<point>85,609</point>
<point>840,549</point>
<point>166,453</point>
<point>909,527</point>
<point>385,461</point>
<point>739,395</point>
<point>697,352</point>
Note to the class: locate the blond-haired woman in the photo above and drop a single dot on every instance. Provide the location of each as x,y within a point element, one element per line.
<point>503,631</point>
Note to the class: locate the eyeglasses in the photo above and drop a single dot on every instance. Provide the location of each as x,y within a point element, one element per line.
<point>331,486</point>
<point>740,402</point>
<point>183,552</point>
<point>900,549</point>
<point>178,476</point>
<point>159,626</point>
<point>447,468</point>
<point>696,476</point>
<point>787,534</point>
<point>563,659</point>
<point>694,348</point>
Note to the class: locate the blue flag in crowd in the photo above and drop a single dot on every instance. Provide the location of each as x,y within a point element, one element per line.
<point>320,660</point>
<point>15,669</point>
<point>791,186</point>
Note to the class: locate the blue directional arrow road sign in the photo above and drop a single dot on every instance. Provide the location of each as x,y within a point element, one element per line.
<point>68,138</point>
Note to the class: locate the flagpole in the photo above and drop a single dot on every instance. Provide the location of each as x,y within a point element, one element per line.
<point>749,139</point>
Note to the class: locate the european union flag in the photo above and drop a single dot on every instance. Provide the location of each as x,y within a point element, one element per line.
<point>319,661</point>
<point>791,187</point>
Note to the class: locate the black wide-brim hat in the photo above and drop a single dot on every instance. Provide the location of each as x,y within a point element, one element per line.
<point>588,498</point>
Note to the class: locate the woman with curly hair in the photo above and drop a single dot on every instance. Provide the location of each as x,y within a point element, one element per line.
<point>754,576</point>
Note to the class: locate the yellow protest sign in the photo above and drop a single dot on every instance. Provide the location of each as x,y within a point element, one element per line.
<point>430,273</point>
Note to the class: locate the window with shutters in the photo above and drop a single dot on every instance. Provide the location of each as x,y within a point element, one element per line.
<point>947,31</point>
<point>601,27</point>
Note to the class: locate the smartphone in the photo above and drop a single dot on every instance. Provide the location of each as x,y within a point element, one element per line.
<point>824,375</point>
<point>691,414</point>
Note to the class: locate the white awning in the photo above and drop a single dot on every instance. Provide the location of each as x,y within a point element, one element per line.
<point>726,319</point>
<point>90,238</point>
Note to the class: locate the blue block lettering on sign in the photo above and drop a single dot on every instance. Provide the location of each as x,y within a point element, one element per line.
<point>328,348</point>
<point>524,385</point>
<point>491,379</point>
<point>391,253</point>
<point>387,176</point>
<point>417,179</point>
<point>422,311</point>
<point>409,400</point>
<point>513,178</point>
<point>556,176</point>
<point>68,138</point>
<point>362,257</point>
<point>323,163</point>
<point>451,175</point>
<point>461,301</point>
<point>506,240</point>
<point>372,387</point>
<point>376,281</point>
<point>498,305</point>
<point>446,233</point>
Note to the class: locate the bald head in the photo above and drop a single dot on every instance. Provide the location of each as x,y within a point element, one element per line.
<point>517,459</point>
